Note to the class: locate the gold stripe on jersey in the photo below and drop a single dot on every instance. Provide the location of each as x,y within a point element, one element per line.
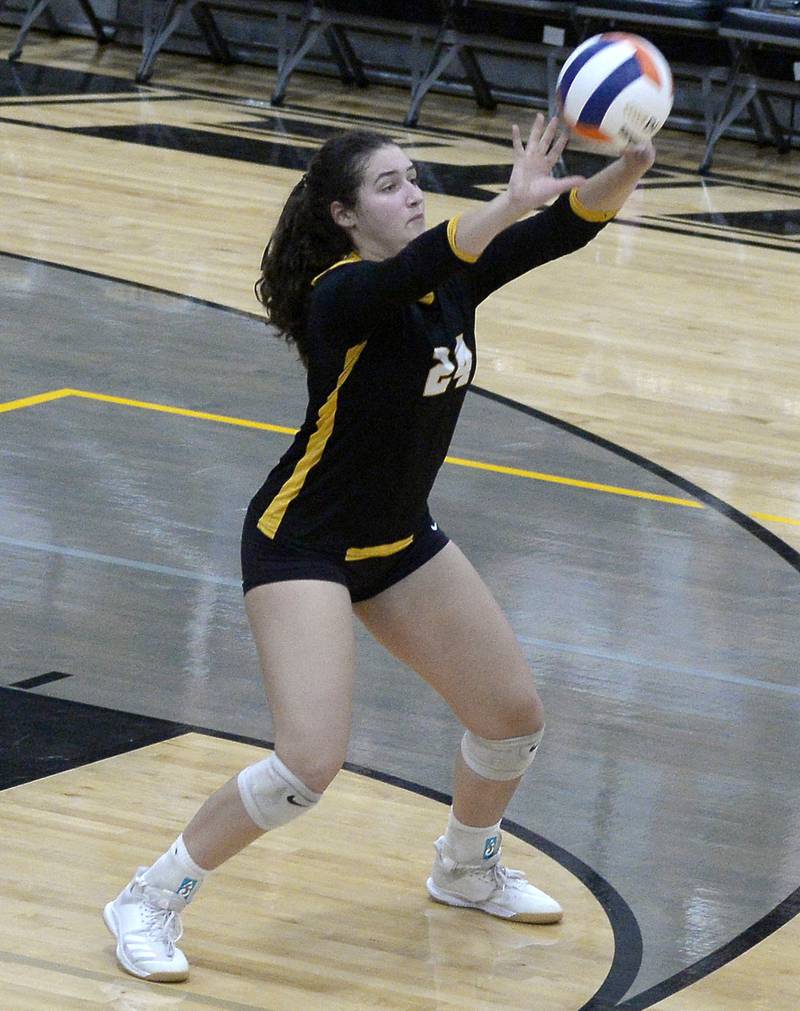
<point>377,550</point>
<point>452,228</point>
<point>275,511</point>
<point>350,258</point>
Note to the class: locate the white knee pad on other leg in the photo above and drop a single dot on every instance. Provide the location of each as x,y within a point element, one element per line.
<point>272,795</point>
<point>500,760</point>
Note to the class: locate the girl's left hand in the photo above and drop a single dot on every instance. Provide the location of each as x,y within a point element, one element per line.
<point>532,182</point>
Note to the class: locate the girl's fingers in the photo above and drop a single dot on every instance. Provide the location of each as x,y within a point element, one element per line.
<point>516,140</point>
<point>536,131</point>
<point>548,135</point>
<point>558,147</point>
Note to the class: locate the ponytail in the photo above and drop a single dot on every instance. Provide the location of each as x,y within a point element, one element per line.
<point>306,240</point>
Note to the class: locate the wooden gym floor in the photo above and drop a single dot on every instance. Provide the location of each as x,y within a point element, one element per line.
<point>625,476</point>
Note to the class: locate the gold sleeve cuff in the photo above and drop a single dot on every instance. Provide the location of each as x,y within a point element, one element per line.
<point>452,225</point>
<point>587,213</point>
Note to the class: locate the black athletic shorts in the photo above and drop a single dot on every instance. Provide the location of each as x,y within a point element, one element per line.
<point>264,561</point>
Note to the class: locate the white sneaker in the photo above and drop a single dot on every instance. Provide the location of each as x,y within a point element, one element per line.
<point>146,923</point>
<point>493,889</point>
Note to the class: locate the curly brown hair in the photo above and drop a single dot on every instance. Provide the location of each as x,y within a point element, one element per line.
<point>306,240</point>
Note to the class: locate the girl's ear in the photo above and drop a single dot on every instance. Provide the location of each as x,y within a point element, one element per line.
<point>343,216</point>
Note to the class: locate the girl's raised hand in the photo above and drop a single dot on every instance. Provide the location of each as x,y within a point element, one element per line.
<point>532,182</point>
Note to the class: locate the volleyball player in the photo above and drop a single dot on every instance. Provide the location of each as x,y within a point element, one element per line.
<point>381,311</point>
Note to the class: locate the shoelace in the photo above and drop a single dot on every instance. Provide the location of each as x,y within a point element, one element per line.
<point>163,925</point>
<point>504,876</point>
<point>498,873</point>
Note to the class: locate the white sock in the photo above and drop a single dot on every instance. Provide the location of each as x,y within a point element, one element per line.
<point>175,871</point>
<point>467,844</point>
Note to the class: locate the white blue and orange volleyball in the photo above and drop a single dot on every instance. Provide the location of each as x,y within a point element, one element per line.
<point>615,88</point>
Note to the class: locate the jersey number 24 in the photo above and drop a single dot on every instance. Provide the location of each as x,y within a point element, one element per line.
<point>444,370</point>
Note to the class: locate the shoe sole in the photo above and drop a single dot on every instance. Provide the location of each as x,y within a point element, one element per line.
<point>492,908</point>
<point>110,920</point>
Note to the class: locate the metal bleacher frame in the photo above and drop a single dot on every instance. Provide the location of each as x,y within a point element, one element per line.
<point>464,34</point>
<point>448,39</point>
<point>326,17</point>
<point>43,8</point>
<point>762,26</point>
<point>167,21</point>
<point>161,19</point>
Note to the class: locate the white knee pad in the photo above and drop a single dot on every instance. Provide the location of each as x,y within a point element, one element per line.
<point>272,795</point>
<point>500,760</point>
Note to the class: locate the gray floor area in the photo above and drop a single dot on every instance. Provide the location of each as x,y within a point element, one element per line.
<point>664,638</point>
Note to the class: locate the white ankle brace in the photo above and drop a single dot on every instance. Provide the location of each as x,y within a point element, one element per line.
<point>176,871</point>
<point>467,844</point>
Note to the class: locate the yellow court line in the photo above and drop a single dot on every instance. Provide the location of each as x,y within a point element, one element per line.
<point>183,412</point>
<point>609,489</point>
<point>39,398</point>
<point>532,475</point>
<point>775,519</point>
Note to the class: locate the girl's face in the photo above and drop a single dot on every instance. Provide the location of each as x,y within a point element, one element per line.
<point>390,207</point>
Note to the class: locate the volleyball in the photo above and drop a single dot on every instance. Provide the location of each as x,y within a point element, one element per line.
<point>615,88</point>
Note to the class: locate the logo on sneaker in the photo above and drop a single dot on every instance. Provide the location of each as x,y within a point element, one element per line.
<point>491,847</point>
<point>297,803</point>
<point>434,525</point>
<point>186,887</point>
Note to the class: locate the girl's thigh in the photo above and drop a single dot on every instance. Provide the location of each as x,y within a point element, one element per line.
<point>303,630</point>
<point>443,621</point>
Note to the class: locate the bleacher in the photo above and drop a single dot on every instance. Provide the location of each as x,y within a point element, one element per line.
<point>736,64</point>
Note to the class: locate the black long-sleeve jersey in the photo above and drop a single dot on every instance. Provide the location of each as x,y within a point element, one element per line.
<point>391,353</point>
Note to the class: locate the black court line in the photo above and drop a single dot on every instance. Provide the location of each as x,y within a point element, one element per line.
<point>42,679</point>
<point>702,182</point>
<point>753,935</point>
<point>131,284</point>
<point>22,102</point>
<point>628,946</point>
<point>737,231</point>
<point>785,189</point>
<point>711,236</point>
<point>78,734</point>
<point>772,541</point>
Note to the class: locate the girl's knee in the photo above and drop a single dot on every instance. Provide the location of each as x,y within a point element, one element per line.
<point>315,764</point>
<point>514,716</point>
